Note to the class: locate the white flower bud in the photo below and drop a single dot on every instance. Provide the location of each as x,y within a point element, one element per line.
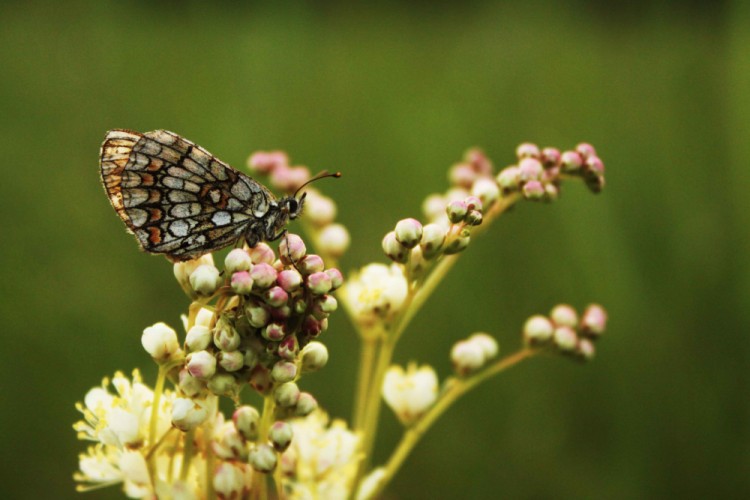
<point>564,315</point>
<point>237,260</point>
<point>306,404</point>
<point>201,365</point>
<point>314,356</point>
<point>183,270</point>
<point>408,232</point>
<point>228,444</point>
<point>537,329</point>
<point>487,343</point>
<point>246,420</point>
<point>286,395</point>
<point>205,280</point>
<point>280,434</point>
<point>394,249</point>
<point>411,392</point>
<point>333,240</point>
<point>565,338</point>
<point>198,338</point>
<point>160,341</point>
<point>204,317</point>
<point>262,458</point>
<point>187,414</point>
<point>433,237</point>
<point>467,357</point>
<point>319,209</point>
<point>223,384</point>
<point>283,371</point>
<point>231,361</point>
<point>189,385</point>
<point>486,190</point>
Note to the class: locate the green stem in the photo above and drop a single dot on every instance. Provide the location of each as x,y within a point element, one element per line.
<point>187,455</point>
<point>460,387</point>
<point>154,422</point>
<point>209,434</point>
<point>367,356</point>
<point>259,487</point>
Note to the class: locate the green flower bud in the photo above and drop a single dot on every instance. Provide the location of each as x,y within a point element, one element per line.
<point>433,236</point>
<point>408,232</point>
<point>283,371</point>
<point>306,404</point>
<point>262,458</point>
<point>246,420</point>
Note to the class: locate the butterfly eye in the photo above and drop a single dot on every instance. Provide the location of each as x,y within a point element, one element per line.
<point>293,206</point>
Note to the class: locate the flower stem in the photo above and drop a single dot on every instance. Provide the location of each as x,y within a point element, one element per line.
<point>153,423</point>
<point>460,387</point>
<point>367,356</point>
<point>259,487</point>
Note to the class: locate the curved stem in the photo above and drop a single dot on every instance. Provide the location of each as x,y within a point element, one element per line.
<point>460,387</point>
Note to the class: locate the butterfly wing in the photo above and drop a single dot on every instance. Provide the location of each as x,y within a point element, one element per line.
<point>174,196</point>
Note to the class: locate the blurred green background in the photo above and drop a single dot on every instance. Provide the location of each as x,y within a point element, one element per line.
<point>391,95</point>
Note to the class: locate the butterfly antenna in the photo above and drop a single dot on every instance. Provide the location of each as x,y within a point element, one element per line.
<point>321,175</point>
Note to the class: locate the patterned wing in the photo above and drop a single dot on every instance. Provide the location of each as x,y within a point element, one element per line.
<point>176,197</point>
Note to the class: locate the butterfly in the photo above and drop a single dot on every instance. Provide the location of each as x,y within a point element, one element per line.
<point>181,201</point>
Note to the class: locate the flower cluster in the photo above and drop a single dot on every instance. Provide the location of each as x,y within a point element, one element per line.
<point>257,323</point>
<point>565,332</point>
<point>269,309</point>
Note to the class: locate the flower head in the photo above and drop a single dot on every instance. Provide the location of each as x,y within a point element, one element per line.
<point>377,292</point>
<point>411,392</point>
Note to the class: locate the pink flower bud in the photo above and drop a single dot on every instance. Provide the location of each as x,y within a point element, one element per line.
<point>262,253</point>
<point>408,232</point>
<point>527,150</point>
<point>242,283</point>
<point>311,264</point>
<point>237,260</point>
<point>530,169</point>
<point>289,348</point>
<point>565,338</point>
<point>571,161</point>
<point>291,249</point>
<point>456,211</point>
<point>263,275</point>
<point>334,240</point>
<point>274,332</point>
<point>201,364</point>
<point>290,280</point>
<point>586,150</point>
<point>337,279</point>
<point>595,165</point>
<point>319,283</point>
<point>509,178</point>
<point>533,190</point>
<point>265,162</point>
<point>594,321</point>
<point>462,174</point>
<point>551,157</point>
<point>275,296</point>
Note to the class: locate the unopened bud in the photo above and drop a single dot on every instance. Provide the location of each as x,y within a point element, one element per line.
<point>187,414</point>
<point>237,260</point>
<point>201,364</point>
<point>283,371</point>
<point>205,279</point>
<point>314,356</point>
<point>292,249</point>
<point>306,404</point>
<point>160,341</point>
<point>565,338</point>
<point>246,420</point>
<point>286,395</point>
<point>280,434</point>
<point>537,330</point>
<point>262,458</point>
<point>564,315</point>
<point>394,249</point>
<point>408,232</point>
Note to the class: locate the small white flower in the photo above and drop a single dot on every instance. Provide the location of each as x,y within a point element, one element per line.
<point>411,392</point>
<point>377,291</point>
<point>321,460</point>
<point>118,424</point>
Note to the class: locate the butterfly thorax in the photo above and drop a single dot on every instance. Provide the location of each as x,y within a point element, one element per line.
<point>273,225</point>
